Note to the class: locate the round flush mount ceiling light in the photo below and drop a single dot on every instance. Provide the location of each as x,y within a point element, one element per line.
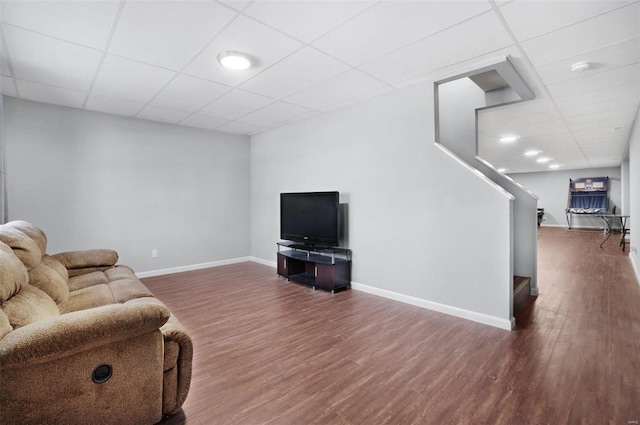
<point>543,160</point>
<point>554,166</point>
<point>509,139</point>
<point>236,61</point>
<point>531,152</point>
<point>580,66</point>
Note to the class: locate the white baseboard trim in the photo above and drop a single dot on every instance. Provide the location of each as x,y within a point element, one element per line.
<point>191,267</point>
<point>441,308</point>
<point>636,267</point>
<point>574,226</point>
<point>264,262</point>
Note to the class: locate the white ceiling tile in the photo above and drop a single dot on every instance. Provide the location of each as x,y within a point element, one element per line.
<point>190,94</point>
<point>125,79</point>
<point>273,114</point>
<point>157,113</point>
<point>83,22</point>
<point>48,94</point>
<point>49,61</point>
<point>239,128</point>
<point>236,104</point>
<point>528,19</point>
<point>312,18</point>
<point>475,37</point>
<point>610,28</point>
<point>264,44</point>
<point>356,99</point>
<point>112,106</point>
<point>607,58</point>
<point>295,119</point>
<point>302,69</point>
<point>390,25</point>
<point>236,4</point>
<point>337,89</point>
<point>203,121</point>
<point>167,33</point>
<point>602,95</point>
<point>596,81</point>
<point>7,86</point>
<point>461,67</point>
<point>618,115</point>
<point>600,107</point>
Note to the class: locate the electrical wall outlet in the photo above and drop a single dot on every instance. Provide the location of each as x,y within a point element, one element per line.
<point>154,253</point>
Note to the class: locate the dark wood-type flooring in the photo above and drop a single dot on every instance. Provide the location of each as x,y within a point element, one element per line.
<point>268,351</point>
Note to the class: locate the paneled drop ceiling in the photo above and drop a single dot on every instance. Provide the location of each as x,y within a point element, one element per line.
<point>156,60</point>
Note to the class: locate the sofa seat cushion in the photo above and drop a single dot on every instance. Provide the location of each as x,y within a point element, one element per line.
<point>128,289</point>
<point>90,297</point>
<point>85,280</point>
<point>120,272</point>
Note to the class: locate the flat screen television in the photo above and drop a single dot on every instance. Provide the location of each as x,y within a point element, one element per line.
<point>310,217</point>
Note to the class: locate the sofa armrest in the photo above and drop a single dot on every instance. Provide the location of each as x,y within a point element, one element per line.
<point>177,375</point>
<point>78,331</point>
<point>87,259</point>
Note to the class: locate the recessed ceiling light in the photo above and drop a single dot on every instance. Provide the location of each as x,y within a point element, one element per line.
<point>236,61</point>
<point>532,152</point>
<point>580,66</point>
<point>509,139</point>
<point>554,166</point>
<point>543,159</point>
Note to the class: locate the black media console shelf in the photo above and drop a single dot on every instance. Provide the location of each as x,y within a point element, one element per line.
<point>318,267</point>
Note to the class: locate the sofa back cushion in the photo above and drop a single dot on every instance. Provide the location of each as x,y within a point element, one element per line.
<point>33,232</point>
<point>51,277</point>
<point>20,303</point>
<point>25,248</point>
<point>13,276</point>
<point>45,273</point>
<point>28,306</point>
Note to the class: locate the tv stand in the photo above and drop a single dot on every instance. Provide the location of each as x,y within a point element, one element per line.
<point>326,268</point>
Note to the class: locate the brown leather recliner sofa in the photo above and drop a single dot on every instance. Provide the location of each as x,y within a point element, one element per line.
<point>82,340</point>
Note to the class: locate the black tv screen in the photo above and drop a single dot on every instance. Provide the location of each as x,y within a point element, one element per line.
<point>310,217</point>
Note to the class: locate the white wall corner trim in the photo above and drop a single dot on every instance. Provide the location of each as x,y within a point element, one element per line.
<point>440,308</point>
<point>191,267</point>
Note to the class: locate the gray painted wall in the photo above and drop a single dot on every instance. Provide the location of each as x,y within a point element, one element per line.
<point>552,189</point>
<point>93,180</point>
<point>421,224</point>
<point>634,195</point>
<point>3,205</point>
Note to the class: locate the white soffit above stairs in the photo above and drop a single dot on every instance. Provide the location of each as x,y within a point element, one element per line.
<point>157,60</point>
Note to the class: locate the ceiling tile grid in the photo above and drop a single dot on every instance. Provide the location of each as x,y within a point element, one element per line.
<point>158,61</point>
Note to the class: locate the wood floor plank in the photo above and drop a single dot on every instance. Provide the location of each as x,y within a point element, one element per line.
<point>267,351</point>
